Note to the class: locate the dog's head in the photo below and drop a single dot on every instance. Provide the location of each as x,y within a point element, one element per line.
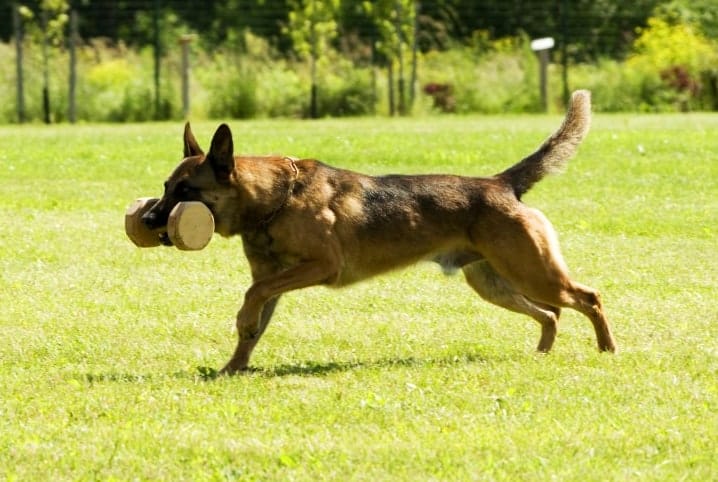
<point>199,177</point>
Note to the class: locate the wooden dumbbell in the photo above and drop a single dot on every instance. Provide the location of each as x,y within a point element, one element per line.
<point>136,230</point>
<point>190,226</point>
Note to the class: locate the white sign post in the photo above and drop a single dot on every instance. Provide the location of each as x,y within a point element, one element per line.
<point>541,46</point>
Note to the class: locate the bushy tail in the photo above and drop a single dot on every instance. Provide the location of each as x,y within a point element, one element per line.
<point>553,154</point>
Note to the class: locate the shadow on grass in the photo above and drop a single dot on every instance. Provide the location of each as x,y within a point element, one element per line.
<point>306,368</point>
<point>314,368</point>
<point>323,368</point>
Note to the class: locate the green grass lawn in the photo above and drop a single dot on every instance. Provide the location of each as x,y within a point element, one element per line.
<point>409,376</point>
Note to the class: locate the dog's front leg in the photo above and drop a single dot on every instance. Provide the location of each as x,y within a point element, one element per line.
<point>259,301</point>
<point>245,347</point>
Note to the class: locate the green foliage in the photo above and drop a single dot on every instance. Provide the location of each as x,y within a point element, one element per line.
<point>615,87</point>
<point>700,13</point>
<point>8,104</point>
<point>669,69</point>
<point>48,23</point>
<point>312,26</point>
<point>345,90</point>
<point>253,81</point>
<point>33,82</point>
<point>115,84</point>
<point>394,20</point>
<point>500,77</point>
<point>283,90</point>
<point>677,57</point>
<point>663,45</point>
<point>116,90</point>
<point>260,83</point>
<point>232,84</point>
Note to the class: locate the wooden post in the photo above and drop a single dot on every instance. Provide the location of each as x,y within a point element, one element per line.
<point>45,68</point>
<point>374,87</point>
<point>400,57</point>
<point>543,73</point>
<point>157,55</point>
<point>17,27</point>
<point>541,47</point>
<point>564,51</point>
<point>185,40</point>
<point>414,55</point>
<point>313,102</point>
<point>71,101</point>
<point>390,82</point>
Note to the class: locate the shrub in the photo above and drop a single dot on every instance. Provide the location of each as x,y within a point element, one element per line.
<point>232,88</point>
<point>33,84</point>
<point>672,59</point>
<point>283,92</point>
<point>671,67</point>
<point>246,78</point>
<point>117,85</point>
<point>8,95</point>
<point>345,90</point>
<point>615,87</point>
<point>499,79</point>
<point>255,82</point>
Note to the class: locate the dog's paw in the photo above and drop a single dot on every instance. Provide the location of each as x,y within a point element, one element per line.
<point>231,369</point>
<point>207,373</point>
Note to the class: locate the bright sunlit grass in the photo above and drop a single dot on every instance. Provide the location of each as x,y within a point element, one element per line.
<point>406,377</point>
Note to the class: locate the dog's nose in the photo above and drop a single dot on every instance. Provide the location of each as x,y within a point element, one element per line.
<point>150,219</point>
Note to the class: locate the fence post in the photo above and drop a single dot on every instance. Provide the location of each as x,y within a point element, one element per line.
<point>71,104</point>
<point>185,40</point>
<point>400,56</point>
<point>157,55</point>
<point>313,101</point>
<point>541,46</point>
<point>390,86</point>
<point>414,56</point>
<point>17,27</point>
<point>45,68</point>
<point>564,50</point>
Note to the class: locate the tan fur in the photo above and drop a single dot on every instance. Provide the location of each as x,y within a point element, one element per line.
<point>304,223</point>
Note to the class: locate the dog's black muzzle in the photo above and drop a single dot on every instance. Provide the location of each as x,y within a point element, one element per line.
<point>156,222</point>
<point>153,220</point>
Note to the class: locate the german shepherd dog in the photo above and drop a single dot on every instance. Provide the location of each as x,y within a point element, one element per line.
<point>304,223</point>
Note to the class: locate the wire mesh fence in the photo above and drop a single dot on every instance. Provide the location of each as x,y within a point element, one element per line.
<point>141,60</point>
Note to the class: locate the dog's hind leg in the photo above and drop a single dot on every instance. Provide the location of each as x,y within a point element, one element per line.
<point>529,259</point>
<point>495,289</point>
<point>587,300</point>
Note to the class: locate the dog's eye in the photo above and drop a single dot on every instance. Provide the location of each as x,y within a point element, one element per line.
<point>183,189</point>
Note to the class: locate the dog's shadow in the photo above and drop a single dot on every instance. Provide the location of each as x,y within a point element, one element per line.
<point>302,369</point>
<point>318,369</point>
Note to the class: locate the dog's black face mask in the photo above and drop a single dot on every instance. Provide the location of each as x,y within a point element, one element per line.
<point>199,177</point>
<point>177,189</point>
<point>156,220</point>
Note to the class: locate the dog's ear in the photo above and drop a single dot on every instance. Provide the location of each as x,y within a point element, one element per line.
<point>191,147</point>
<point>221,153</point>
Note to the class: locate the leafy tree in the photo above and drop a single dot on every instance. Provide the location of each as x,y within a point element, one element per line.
<point>46,25</point>
<point>674,57</point>
<point>663,45</point>
<point>395,26</point>
<point>46,21</point>
<point>701,13</point>
<point>312,26</point>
